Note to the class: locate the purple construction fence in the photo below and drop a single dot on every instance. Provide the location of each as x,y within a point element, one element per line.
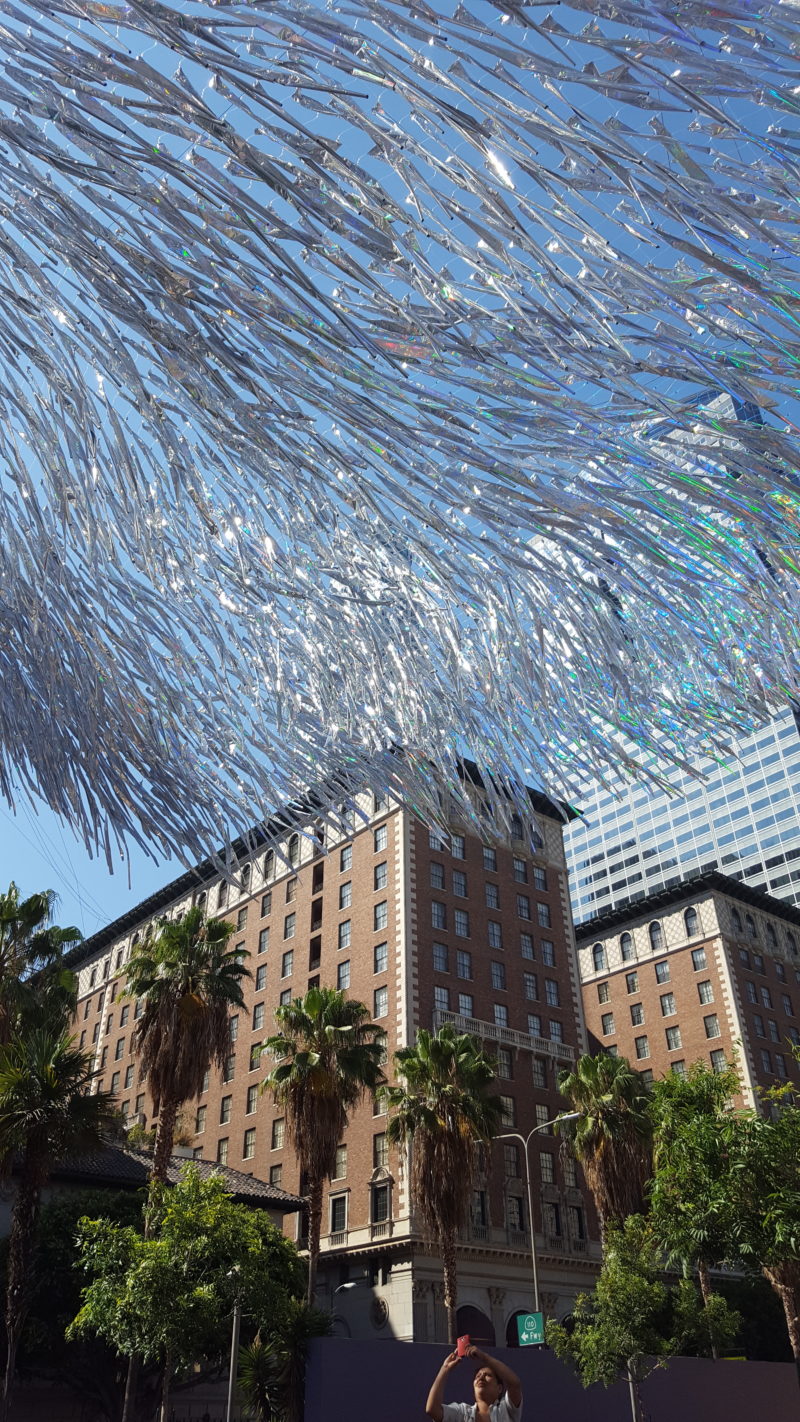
<point>353,1381</point>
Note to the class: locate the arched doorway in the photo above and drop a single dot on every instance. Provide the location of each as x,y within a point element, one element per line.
<point>472,1321</point>
<point>512,1337</point>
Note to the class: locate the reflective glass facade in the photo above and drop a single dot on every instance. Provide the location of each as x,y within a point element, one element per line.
<point>743,819</point>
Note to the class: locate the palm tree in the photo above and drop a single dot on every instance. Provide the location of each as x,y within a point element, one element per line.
<point>46,1112</point>
<point>440,1108</point>
<point>30,943</point>
<point>612,1134</point>
<point>329,1053</point>
<point>188,981</point>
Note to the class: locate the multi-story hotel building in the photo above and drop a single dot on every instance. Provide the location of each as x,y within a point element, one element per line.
<point>425,927</point>
<point>707,970</point>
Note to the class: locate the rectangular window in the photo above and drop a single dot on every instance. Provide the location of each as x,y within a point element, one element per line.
<point>711,1025</point>
<point>466,1005</point>
<point>543,915</point>
<point>124,1015</point>
<point>520,870</point>
<point>380,1151</point>
<point>774,1034</point>
<point>492,896</point>
<point>511,1159</point>
<point>548,953</point>
<point>556,1031</point>
<point>602,992</point>
<point>758,963</point>
<point>119,1049</point>
<point>459,884</point>
<point>505,1063</point>
<point>380,958</point>
<point>637,1014</point>
<point>437,875</point>
<point>344,933</point>
<point>252,1100</point>
<point>673,1039</point>
<point>263,940</point>
<point>766,1060</point>
<point>632,982</point>
<point>744,957</point>
<point>523,906</point>
<point>249,1146</point>
<point>534,1024</point>
<point>225,1110</point>
<point>278,1134</point>
<point>788,1005</point>
<point>458,846</point>
<point>266,904</point>
<point>200,1120</point>
<point>551,993</point>
<point>498,977</point>
<point>222,1151</point>
<point>241,919</point>
<point>140,1103</point>
<point>642,1048</point>
<point>489,860</point>
<point>128,1077</point>
<point>435,840</point>
<point>717,1059</point>
<point>285,996</point>
<point>539,1069</point>
<point>526,945</point>
<point>276,1175</point>
<point>461,923</point>
<point>440,958</point>
<point>780,1066</point>
<point>540,879</point>
<point>381,1002</point>
<point>381,916</point>
<point>758,1025</point>
<point>699,959</point>
<point>338,1214</point>
<point>705,991</point>
<point>463,964</point>
<point>507,1110</point>
<point>115,1082</point>
<point>495,932</point>
<point>441,999</point>
<point>547,1168</point>
<point>340,1164</point>
<point>255,1056</point>
<point>668,1008</point>
<point>381,838</point>
<point>289,925</point>
<point>662,971</point>
<point>750,991</point>
<point>261,977</point>
<point>607,1024</point>
<point>345,858</point>
<point>381,876</point>
<point>346,894</point>
<point>287,964</point>
<point>766,998</point>
<point>438,915</point>
<point>343,975</point>
<point>500,1014</point>
<point>531,987</point>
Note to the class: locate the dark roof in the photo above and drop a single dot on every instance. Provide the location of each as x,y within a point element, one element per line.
<point>291,817</point>
<point>121,1167</point>
<point>691,887</point>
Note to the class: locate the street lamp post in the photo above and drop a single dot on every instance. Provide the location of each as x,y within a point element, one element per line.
<point>526,1141</point>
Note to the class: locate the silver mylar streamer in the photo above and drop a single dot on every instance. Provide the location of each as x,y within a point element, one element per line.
<point>377,375</point>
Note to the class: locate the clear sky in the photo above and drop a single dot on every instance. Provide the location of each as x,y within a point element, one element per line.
<point>39,852</point>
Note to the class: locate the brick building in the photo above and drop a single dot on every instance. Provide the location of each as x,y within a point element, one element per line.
<point>425,928</point>
<point>702,971</point>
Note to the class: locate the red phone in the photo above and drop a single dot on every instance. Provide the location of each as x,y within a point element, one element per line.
<point>462,1345</point>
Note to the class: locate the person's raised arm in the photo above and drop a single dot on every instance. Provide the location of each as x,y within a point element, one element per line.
<point>433,1406</point>
<point>507,1376</point>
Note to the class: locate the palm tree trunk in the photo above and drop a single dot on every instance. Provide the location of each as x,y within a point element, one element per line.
<point>20,1245</point>
<point>785,1280</point>
<point>704,1278</point>
<point>314,1226</point>
<point>449,1270</point>
<point>165,1139</point>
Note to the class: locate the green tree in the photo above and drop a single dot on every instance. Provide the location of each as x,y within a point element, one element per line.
<point>612,1134</point>
<point>441,1108</point>
<point>188,981</point>
<point>168,1299</point>
<point>46,1113</point>
<point>31,944</point>
<point>272,1369</point>
<point>635,1322</point>
<point>329,1053</point>
<point>691,1191</point>
<point>766,1200</point>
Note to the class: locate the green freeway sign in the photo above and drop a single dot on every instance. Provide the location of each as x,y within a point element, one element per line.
<point>530,1328</point>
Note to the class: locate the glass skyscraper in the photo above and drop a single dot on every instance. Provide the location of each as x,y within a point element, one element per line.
<point>743,819</point>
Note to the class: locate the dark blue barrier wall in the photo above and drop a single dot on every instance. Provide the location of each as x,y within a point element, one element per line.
<point>351,1381</point>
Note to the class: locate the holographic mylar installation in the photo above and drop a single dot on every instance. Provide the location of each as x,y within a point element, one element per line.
<point>351,356</point>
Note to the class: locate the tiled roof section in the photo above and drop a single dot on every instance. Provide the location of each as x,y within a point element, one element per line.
<point>123,1168</point>
<point>692,887</point>
<point>291,817</point>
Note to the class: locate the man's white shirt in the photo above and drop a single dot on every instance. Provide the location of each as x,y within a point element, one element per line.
<point>502,1411</point>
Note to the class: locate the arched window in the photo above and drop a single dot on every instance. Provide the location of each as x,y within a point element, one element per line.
<point>269,864</point>
<point>294,850</point>
<point>656,936</point>
<point>247,870</point>
<point>792,946</point>
<point>692,922</point>
<point>772,937</point>
<point>200,901</point>
<point>599,958</point>
<point>626,947</point>
<point>750,925</point>
<point>736,920</point>
<point>222,894</point>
